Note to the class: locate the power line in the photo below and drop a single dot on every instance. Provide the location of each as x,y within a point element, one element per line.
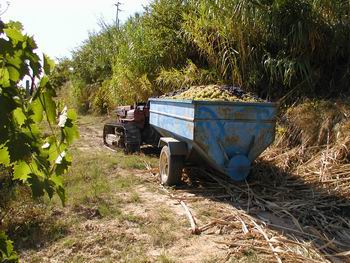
<point>4,10</point>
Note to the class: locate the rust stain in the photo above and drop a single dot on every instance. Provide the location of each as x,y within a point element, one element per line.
<point>231,140</point>
<point>225,112</point>
<point>244,116</point>
<point>247,114</point>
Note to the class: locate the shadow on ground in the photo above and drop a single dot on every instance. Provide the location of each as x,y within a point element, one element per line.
<point>33,227</point>
<point>296,209</point>
<point>151,150</point>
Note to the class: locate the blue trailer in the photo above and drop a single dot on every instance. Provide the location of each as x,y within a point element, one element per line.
<point>227,136</point>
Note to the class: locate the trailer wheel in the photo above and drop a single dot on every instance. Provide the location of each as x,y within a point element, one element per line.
<point>170,167</point>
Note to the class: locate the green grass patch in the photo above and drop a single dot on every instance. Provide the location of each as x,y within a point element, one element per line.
<point>133,218</point>
<point>133,161</point>
<point>107,210</point>
<point>94,177</point>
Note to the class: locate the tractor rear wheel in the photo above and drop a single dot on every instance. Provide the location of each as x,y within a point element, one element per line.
<point>170,167</point>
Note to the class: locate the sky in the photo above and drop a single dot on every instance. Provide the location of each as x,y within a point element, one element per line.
<point>59,26</point>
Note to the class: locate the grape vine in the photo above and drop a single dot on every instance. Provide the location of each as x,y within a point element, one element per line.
<point>35,130</point>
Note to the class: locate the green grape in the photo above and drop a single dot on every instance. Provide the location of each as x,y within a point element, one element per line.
<point>211,93</point>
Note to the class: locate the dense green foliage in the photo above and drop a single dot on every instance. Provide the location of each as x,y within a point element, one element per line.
<point>145,45</point>
<point>271,47</point>
<point>275,46</point>
<point>33,147</point>
<point>61,73</point>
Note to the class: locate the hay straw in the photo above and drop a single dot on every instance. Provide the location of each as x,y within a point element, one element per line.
<point>316,230</point>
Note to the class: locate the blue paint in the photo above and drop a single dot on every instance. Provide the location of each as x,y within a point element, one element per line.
<point>238,168</point>
<point>228,135</point>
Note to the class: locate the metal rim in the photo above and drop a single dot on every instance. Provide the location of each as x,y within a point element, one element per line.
<point>110,138</point>
<point>164,164</point>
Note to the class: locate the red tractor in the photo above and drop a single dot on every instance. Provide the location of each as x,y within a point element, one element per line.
<point>130,129</point>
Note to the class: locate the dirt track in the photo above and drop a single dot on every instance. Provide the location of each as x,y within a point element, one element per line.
<point>118,212</point>
<point>134,238</point>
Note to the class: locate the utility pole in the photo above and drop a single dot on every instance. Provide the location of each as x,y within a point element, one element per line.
<point>117,15</point>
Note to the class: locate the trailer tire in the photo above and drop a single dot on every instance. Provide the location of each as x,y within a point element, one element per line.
<point>170,167</point>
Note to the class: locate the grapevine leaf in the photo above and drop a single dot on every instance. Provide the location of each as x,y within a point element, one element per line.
<point>15,60</point>
<point>4,124</point>
<point>33,130</point>
<point>21,171</point>
<point>34,62</point>
<point>49,65</point>
<point>55,150</point>
<point>70,131</point>
<point>4,77</point>
<point>36,185</point>
<point>53,153</point>
<point>19,116</point>
<point>36,111</point>
<point>6,47</point>
<point>72,115</point>
<point>31,43</point>
<point>19,147</point>
<point>57,180</point>
<point>6,105</point>
<point>49,104</point>
<point>62,167</point>
<point>69,158</point>
<point>62,194</point>
<point>14,74</point>
<point>44,81</point>
<point>14,34</point>
<point>49,188</point>
<point>6,249</point>
<point>4,156</point>
<point>15,24</point>
<point>37,155</point>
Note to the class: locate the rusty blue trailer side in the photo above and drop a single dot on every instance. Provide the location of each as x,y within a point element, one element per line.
<point>228,135</point>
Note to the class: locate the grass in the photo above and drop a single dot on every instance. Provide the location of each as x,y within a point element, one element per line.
<point>94,187</point>
<point>134,198</point>
<point>204,214</point>
<point>112,213</point>
<point>96,175</point>
<point>164,258</point>
<point>162,228</point>
<point>69,242</point>
<point>133,218</point>
<point>105,209</point>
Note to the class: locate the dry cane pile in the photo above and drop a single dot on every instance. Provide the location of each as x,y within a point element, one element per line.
<point>296,205</point>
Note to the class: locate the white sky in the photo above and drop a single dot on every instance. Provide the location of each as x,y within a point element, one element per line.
<point>59,26</point>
